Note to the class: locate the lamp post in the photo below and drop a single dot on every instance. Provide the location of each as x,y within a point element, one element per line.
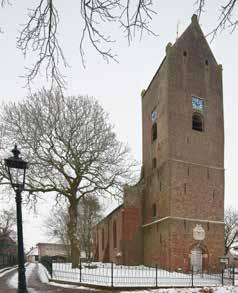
<point>16,168</point>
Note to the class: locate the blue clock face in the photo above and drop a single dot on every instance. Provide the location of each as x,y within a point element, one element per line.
<point>197,103</point>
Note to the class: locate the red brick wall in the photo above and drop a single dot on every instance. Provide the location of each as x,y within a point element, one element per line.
<point>174,241</point>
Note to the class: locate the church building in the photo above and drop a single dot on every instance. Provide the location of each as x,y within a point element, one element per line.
<point>174,216</point>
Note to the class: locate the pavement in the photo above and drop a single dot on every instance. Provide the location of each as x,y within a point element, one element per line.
<point>8,283</point>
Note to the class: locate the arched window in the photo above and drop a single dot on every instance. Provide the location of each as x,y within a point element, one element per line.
<point>154,131</point>
<point>102,239</point>
<point>197,122</point>
<point>114,234</point>
<point>154,212</point>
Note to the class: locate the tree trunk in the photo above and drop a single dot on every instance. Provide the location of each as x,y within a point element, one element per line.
<point>72,230</point>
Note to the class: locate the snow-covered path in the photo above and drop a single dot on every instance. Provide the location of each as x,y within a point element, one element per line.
<point>9,282</point>
<point>13,281</point>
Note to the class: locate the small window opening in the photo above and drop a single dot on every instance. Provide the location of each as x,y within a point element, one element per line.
<point>185,53</point>
<point>206,62</point>
<point>154,162</point>
<point>154,211</point>
<point>160,238</point>
<point>114,234</point>
<point>185,188</point>
<point>160,186</point>
<point>197,122</point>
<point>154,132</point>
<point>188,171</point>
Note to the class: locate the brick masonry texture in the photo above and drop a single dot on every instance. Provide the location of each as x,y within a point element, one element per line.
<point>182,178</point>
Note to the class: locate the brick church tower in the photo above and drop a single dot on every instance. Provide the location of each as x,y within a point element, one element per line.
<point>183,157</point>
<point>174,216</point>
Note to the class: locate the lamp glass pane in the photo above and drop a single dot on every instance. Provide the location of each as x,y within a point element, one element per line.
<point>17,176</point>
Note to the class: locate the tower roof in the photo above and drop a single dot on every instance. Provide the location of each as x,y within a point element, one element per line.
<point>195,35</point>
<point>192,36</point>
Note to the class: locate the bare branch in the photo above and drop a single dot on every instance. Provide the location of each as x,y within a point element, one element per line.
<point>93,13</point>
<point>226,19</point>
<point>39,34</point>
<point>137,17</point>
<point>4,3</point>
<point>231,227</point>
<point>200,4</point>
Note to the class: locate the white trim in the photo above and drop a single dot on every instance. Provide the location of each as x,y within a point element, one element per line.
<point>181,219</point>
<point>201,165</point>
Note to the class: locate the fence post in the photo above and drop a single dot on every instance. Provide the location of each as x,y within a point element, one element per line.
<point>222,276</point>
<point>80,270</point>
<point>233,276</point>
<point>112,274</point>
<point>50,267</point>
<point>192,276</point>
<point>156,276</point>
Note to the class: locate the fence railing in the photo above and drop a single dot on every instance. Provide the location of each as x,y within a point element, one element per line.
<point>7,260</point>
<point>111,275</point>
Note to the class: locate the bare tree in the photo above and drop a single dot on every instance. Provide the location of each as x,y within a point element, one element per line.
<point>71,147</point>
<point>89,213</point>
<point>40,32</point>
<point>56,226</point>
<point>7,228</point>
<point>231,227</point>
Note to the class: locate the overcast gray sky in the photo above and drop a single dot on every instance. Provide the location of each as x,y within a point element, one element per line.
<point>118,85</point>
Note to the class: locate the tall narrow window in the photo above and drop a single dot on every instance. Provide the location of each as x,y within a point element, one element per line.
<point>114,234</point>
<point>154,131</point>
<point>197,122</point>
<point>102,239</point>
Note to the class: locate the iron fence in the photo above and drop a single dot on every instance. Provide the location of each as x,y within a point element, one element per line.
<point>111,275</point>
<point>7,260</point>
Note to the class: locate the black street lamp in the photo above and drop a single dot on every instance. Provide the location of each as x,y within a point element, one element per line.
<point>16,168</point>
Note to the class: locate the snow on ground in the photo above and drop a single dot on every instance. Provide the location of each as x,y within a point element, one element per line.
<point>13,281</point>
<point>229,289</point>
<point>44,278</point>
<point>4,271</point>
<point>125,276</point>
<point>43,274</point>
